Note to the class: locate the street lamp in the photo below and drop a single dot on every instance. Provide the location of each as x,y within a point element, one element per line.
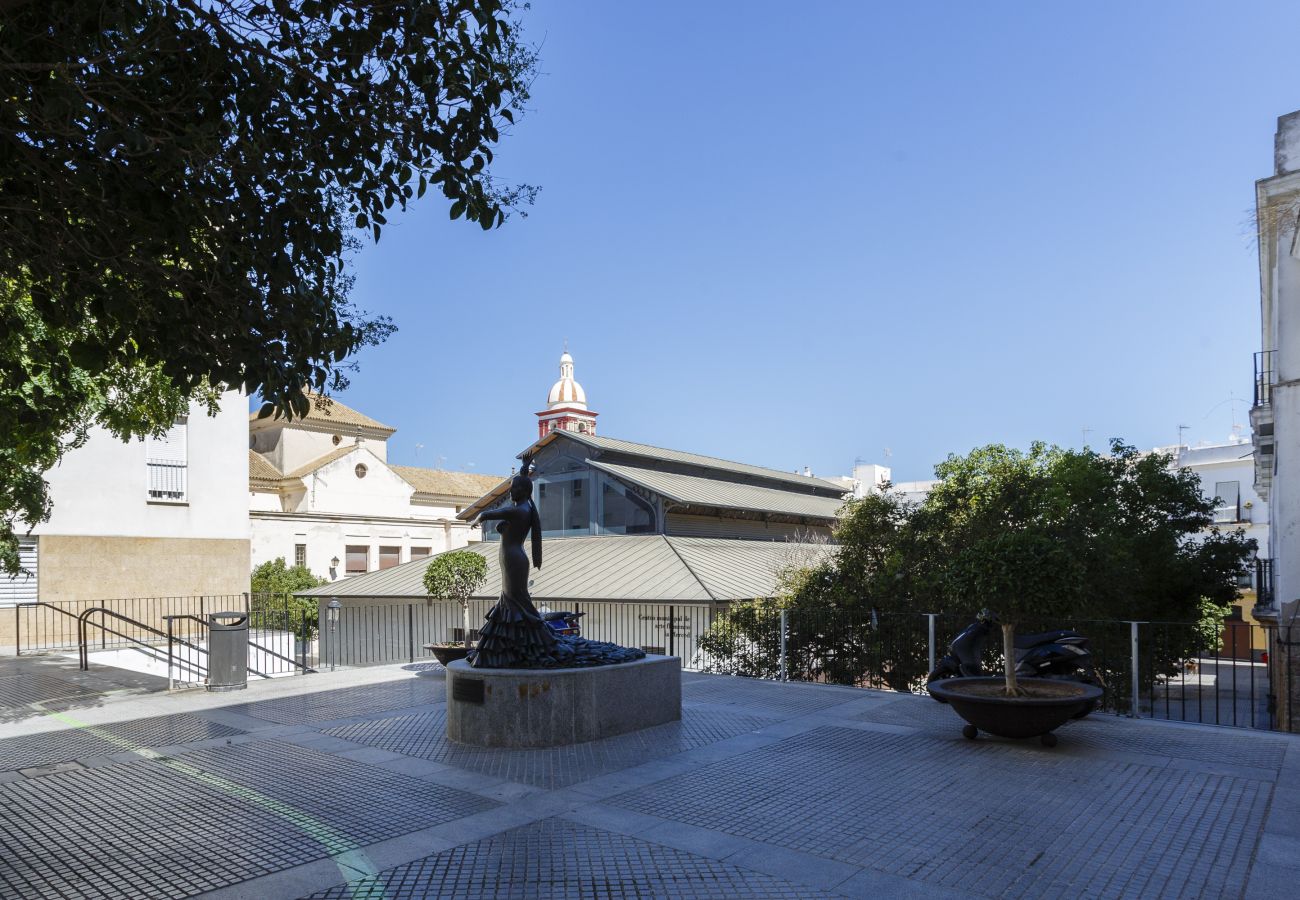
<point>334,568</point>
<point>332,616</point>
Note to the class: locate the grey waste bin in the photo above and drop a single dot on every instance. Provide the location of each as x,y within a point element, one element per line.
<point>227,651</point>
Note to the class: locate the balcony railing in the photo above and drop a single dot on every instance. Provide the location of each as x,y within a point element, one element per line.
<point>1265,377</point>
<point>1263,582</point>
<point>166,480</point>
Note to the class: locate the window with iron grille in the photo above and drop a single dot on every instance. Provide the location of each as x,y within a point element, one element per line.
<point>300,554</point>
<point>167,459</point>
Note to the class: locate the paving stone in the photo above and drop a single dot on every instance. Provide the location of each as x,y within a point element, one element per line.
<point>772,698</point>
<point>1106,732</point>
<point>216,817</point>
<point>998,819</point>
<point>50,747</point>
<point>560,859</point>
<point>18,692</point>
<point>326,706</point>
<point>424,736</point>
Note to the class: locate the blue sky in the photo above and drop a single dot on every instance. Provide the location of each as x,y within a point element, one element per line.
<point>799,234</point>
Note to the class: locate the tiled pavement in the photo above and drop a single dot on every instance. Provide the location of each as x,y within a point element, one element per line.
<point>344,785</point>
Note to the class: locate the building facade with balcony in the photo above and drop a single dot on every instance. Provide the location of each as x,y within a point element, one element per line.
<point>1275,413</point>
<point>144,518</point>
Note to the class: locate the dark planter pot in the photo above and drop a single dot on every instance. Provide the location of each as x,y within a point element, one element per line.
<point>447,653</point>
<point>1016,717</point>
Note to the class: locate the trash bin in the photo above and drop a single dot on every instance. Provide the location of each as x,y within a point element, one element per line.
<point>227,651</point>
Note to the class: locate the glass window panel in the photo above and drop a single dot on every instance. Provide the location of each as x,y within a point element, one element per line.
<point>623,512</point>
<point>563,506</point>
<point>1227,501</point>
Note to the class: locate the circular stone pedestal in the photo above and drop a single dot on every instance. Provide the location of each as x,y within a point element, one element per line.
<point>554,707</point>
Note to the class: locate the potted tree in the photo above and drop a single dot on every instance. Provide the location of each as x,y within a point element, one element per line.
<point>1056,533</point>
<point>454,576</point>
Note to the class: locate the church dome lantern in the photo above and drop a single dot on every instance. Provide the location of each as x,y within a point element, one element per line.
<point>566,404</point>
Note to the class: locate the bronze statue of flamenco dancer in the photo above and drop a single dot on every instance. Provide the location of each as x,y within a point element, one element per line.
<point>515,636</point>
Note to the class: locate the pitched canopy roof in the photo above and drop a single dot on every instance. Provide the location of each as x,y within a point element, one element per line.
<point>643,568</point>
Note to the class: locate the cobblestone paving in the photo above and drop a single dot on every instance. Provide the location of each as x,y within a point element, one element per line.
<point>326,706</point>
<point>76,743</point>
<point>1001,819</point>
<point>210,818</point>
<point>425,736</point>
<point>1102,731</point>
<point>558,859</point>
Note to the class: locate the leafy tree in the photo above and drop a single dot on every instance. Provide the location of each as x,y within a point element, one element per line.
<point>273,587</point>
<point>1056,534</point>
<point>455,576</point>
<point>180,183</point>
<point>1043,537</point>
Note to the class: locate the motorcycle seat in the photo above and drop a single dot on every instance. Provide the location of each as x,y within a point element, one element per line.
<point>557,616</point>
<point>1026,641</point>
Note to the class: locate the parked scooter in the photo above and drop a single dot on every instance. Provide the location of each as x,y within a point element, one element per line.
<point>1062,654</point>
<point>563,622</point>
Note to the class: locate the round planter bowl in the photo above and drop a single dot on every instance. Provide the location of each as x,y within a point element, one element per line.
<point>1016,717</point>
<point>447,653</point>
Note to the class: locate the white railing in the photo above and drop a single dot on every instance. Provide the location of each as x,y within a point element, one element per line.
<point>166,479</point>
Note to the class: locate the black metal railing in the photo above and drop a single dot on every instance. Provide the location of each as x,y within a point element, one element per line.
<point>1264,582</point>
<point>1265,377</point>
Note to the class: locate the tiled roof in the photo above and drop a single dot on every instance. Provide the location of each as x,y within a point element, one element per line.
<point>646,568</point>
<point>337,453</point>
<point>261,473</point>
<point>328,411</point>
<point>450,484</point>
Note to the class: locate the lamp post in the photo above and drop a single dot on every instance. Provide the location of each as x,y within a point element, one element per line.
<point>334,568</point>
<point>332,617</point>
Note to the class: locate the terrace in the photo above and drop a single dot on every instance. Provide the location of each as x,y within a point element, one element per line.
<point>343,785</point>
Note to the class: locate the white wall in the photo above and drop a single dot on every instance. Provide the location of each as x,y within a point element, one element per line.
<point>101,488</point>
<point>335,488</point>
<point>327,537</point>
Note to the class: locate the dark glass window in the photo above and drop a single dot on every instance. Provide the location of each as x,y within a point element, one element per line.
<point>623,512</point>
<point>563,506</point>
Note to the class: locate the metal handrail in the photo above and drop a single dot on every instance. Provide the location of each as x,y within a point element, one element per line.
<point>83,650</point>
<point>18,625</point>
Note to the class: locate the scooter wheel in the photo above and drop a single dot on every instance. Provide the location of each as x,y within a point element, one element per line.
<point>969,732</point>
<point>1048,740</point>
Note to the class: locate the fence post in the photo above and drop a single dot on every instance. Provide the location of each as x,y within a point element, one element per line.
<point>18,631</point>
<point>410,631</point>
<point>1136,687</point>
<point>783,634</point>
<point>931,617</point>
<point>672,642</point>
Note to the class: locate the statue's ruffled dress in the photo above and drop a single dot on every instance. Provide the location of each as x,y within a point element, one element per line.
<point>514,635</point>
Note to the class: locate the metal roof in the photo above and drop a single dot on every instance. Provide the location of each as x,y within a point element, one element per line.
<point>614,445</point>
<point>632,568</point>
<point>696,491</point>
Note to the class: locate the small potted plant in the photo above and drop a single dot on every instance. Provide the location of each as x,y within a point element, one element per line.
<point>454,576</point>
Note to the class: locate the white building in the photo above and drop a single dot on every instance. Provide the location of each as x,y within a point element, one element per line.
<point>1275,413</point>
<point>144,518</point>
<point>321,493</point>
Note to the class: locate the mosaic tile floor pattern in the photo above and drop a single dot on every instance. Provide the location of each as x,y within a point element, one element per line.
<point>908,806</point>
<point>1104,731</point>
<point>78,743</point>
<point>425,736</point>
<point>559,859</point>
<point>325,706</point>
<point>204,820</point>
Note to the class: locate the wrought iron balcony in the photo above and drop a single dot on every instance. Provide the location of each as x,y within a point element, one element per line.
<point>1263,583</point>
<point>1265,377</point>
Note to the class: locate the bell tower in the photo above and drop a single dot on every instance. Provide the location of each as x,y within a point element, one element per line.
<point>566,404</point>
